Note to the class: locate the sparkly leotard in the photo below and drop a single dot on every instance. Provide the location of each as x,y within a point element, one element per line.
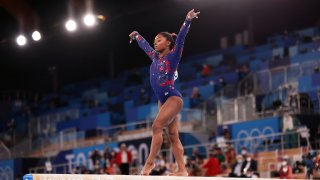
<point>162,69</point>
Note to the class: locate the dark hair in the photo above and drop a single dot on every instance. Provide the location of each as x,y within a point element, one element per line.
<point>170,37</point>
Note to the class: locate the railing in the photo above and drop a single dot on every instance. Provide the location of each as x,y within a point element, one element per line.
<point>269,80</point>
<point>44,123</point>
<point>71,138</point>
<point>261,143</point>
<point>234,110</point>
<point>237,103</point>
<point>63,168</point>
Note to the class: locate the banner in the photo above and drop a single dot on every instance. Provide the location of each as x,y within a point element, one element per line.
<point>251,129</point>
<point>6,169</point>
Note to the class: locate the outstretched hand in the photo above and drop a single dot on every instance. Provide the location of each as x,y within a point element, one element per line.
<point>131,36</point>
<point>191,14</point>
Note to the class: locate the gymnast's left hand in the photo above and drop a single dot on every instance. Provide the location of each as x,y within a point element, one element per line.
<point>191,14</point>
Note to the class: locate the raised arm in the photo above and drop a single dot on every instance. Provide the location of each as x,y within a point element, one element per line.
<point>143,44</point>
<point>179,44</point>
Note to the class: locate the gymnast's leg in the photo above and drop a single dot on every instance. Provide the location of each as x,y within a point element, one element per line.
<point>167,113</point>
<point>177,148</point>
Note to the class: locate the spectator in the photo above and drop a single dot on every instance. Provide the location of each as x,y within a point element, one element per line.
<point>108,168</point>
<point>97,168</point>
<point>160,166</point>
<point>218,154</point>
<point>285,171</point>
<point>307,160</point>
<point>316,167</point>
<point>84,170</point>
<point>134,155</point>
<point>231,156</point>
<point>196,156</point>
<point>222,84</point>
<point>249,167</point>
<point>212,166</point>
<point>76,170</point>
<point>244,152</point>
<point>293,98</point>
<point>212,136</point>
<point>123,159</point>
<point>107,154</point>
<point>95,157</point>
<point>195,93</point>
<point>206,70</point>
<point>236,170</point>
<point>113,156</point>
<point>226,133</point>
<point>289,128</point>
<point>243,71</point>
<point>190,165</point>
<point>144,97</point>
<point>195,97</point>
<point>113,168</point>
<point>193,168</point>
<point>297,168</point>
<point>107,157</point>
<point>288,124</point>
<point>197,161</point>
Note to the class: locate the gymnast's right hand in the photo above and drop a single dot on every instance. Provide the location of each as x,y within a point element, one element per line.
<point>131,36</point>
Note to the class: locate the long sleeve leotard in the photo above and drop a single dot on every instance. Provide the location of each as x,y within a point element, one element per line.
<point>162,69</point>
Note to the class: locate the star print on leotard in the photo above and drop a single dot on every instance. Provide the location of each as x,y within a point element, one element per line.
<point>162,69</point>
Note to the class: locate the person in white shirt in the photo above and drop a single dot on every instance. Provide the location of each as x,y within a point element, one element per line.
<point>237,167</point>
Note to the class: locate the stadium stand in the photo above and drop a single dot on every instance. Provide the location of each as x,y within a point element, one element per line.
<point>265,99</point>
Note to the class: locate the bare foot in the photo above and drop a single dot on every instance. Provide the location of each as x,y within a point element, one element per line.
<point>146,170</point>
<point>179,173</point>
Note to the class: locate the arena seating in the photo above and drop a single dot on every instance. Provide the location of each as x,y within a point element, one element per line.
<point>85,111</point>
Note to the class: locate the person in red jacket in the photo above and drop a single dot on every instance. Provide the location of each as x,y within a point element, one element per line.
<point>206,71</point>
<point>285,170</point>
<point>212,166</point>
<point>123,159</point>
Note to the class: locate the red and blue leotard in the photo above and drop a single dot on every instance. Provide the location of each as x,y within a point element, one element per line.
<point>162,69</point>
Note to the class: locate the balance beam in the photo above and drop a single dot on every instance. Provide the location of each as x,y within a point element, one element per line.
<point>118,177</point>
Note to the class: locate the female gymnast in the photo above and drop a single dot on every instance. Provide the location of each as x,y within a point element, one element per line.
<point>165,59</point>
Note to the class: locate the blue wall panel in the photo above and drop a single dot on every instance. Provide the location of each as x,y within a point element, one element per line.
<point>104,120</point>
<point>7,169</point>
<point>305,83</point>
<point>255,128</point>
<point>206,91</point>
<point>316,80</point>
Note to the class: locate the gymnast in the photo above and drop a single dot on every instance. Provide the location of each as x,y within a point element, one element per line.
<point>165,59</point>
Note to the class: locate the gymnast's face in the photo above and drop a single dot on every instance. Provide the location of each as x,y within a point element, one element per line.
<point>161,43</point>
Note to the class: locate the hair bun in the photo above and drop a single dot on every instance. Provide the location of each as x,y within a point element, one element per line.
<point>173,34</point>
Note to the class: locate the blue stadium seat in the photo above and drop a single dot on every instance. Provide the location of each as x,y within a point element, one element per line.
<point>214,60</point>
<point>305,83</point>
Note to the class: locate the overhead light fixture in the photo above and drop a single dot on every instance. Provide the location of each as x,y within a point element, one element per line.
<point>89,20</point>
<point>36,36</point>
<point>21,40</point>
<point>71,25</point>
